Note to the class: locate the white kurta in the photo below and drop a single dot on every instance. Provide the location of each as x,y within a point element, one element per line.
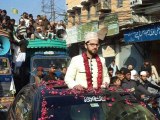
<point>76,74</point>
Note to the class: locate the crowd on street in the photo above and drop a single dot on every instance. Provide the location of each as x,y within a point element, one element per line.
<point>144,84</point>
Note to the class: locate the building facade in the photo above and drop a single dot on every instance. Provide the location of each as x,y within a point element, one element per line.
<point>114,18</point>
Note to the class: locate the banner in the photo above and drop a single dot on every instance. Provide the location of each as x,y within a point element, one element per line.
<point>144,33</point>
<point>111,21</point>
<point>85,28</point>
<point>72,35</point>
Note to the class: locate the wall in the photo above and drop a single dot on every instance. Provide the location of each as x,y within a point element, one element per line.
<point>128,54</point>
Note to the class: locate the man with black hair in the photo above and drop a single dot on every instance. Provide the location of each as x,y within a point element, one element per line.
<point>133,86</point>
<point>63,73</point>
<point>51,73</point>
<point>88,70</point>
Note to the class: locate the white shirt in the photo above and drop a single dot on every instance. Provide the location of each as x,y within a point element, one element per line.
<point>76,74</point>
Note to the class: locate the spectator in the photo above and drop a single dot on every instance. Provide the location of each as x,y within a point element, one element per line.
<point>41,25</point>
<point>146,66</point>
<point>59,26</point>
<point>4,14</point>
<point>133,86</point>
<point>39,75</point>
<point>147,84</point>
<point>131,68</point>
<point>51,73</point>
<point>30,31</point>
<point>45,22</point>
<point>115,81</point>
<point>21,29</point>
<point>114,66</point>
<point>37,20</point>
<point>39,34</point>
<point>135,76</point>
<point>154,74</point>
<point>63,73</point>
<point>30,16</point>
<point>50,32</point>
<point>110,72</point>
<point>25,18</point>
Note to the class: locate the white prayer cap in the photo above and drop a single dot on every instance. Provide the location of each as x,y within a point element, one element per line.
<point>134,72</point>
<point>143,73</point>
<point>91,36</point>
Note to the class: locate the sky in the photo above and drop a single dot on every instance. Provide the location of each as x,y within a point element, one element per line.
<point>31,7</point>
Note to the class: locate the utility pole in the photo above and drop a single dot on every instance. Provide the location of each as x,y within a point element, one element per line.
<point>52,3</point>
<point>51,9</point>
<point>42,6</point>
<point>48,7</point>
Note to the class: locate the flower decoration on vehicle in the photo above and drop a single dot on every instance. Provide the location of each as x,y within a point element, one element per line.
<point>97,95</point>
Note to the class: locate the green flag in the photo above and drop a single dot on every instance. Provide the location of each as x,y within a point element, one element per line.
<point>14,11</point>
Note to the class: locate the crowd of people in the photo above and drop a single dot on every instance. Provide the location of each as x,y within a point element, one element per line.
<point>91,70</point>
<point>27,29</point>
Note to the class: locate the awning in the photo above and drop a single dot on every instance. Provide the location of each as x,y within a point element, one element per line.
<point>148,32</point>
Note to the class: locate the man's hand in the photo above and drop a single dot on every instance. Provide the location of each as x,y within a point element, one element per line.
<point>78,87</point>
<point>105,85</point>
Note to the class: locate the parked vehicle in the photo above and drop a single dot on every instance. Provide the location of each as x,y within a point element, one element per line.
<point>7,89</point>
<point>49,102</point>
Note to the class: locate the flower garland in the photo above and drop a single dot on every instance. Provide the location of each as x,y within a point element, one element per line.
<point>88,72</point>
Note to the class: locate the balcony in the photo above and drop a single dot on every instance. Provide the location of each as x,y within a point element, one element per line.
<point>85,2</point>
<point>103,6</point>
<point>70,10</point>
<point>77,7</point>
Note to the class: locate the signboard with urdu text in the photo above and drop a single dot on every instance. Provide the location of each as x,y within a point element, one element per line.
<point>144,33</point>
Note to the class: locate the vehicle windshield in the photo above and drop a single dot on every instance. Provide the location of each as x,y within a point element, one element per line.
<point>4,66</point>
<point>46,61</point>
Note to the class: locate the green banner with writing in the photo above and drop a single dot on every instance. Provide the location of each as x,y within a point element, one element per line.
<point>111,22</point>
<point>85,28</point>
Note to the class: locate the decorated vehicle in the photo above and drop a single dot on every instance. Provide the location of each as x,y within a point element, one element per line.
<point>49,102</point>
<point>41,53</point>
<point>7,89</point>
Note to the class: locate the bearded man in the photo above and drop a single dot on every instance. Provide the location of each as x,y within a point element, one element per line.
<point>88,70</point>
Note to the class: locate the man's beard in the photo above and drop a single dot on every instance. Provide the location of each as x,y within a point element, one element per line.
<point>92,53</point>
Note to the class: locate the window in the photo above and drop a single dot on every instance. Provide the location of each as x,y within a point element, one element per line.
<point>79,19</point>
<point>119,3</point>
<point>74,20</point>
<point>96,11</point>
<point>89,13</point>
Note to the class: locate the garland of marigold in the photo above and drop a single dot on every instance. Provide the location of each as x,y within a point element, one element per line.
<point>88,72</point>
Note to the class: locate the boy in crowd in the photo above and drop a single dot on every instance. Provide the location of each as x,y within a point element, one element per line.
<point>115,81</point>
